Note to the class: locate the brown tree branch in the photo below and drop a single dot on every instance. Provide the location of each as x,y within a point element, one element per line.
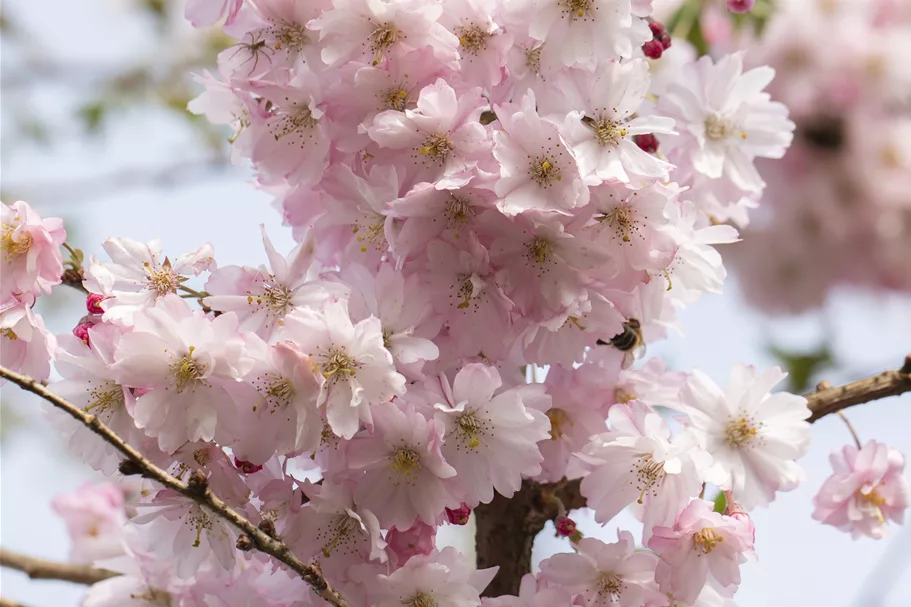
<point>8,603</point>
<point>196,491</point>
<point>507,527</point>
<point>38,569</point>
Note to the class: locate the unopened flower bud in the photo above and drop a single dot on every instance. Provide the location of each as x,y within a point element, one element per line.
<point>665,40</point>
<point>459,516</point>
<point>82,332</point>
<point>741,6</point>
<point>657,28</point>
<point>735,511</point>
<point>246,467</point>
<point>93,301</point>
<point>653,49</point>
<point>647,142</point>
<point>565,526</point>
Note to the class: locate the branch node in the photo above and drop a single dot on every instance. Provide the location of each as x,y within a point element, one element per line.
<point>244,543</point>
<point>128,467</point>
<point>198,483</point>
<point>268,527</point>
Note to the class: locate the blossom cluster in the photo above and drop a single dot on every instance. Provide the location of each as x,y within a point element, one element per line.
<point>479,189</point>
<point>839,212</point>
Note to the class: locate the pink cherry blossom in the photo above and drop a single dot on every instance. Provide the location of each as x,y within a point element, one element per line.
<point>753,436</point>
<point>94,515</point>
<point>136,276</point>
<point>419,539</point>
<point>190,366</point>
<point>357,370</point>
<point>203,13</point>
<point>491,439</point>
<point>604,574</point>
<point>538,170</point>
<point>26,345</point>
<point>29,251</point>
<point>404,473</point>
<point>866,490</point>
<point>700,544</point>
<point>442,578</point>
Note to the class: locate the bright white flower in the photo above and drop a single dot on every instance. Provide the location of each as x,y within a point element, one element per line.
<point>358,371</point>
<point>753,436</point>
<point>725,120</point>
<point>491,440</point>
<point>136,276</point>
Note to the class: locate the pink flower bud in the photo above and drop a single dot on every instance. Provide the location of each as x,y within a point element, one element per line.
<point>92,303</point>
<point>419,539</point>
<point>736,512</point>
<point>246,467</point>
<point>653,49</point>
<point>665,40</point>
<point>647,142</point>
<point>741,6</point>
<point>82,332</point>
<point>565,526</point>
<point>459,516</point>
<point>657,28</point>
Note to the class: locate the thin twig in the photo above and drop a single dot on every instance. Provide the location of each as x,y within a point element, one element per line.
<point>851,429</point>
<point>38,569</point>
<point>200,494</point>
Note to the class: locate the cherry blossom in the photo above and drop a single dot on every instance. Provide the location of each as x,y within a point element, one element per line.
<point>866,490</point>
<point>29,250</point>
<point>441,579</point>
<point>25,343</point>
<point>94,515</point>
<point>754,437</point>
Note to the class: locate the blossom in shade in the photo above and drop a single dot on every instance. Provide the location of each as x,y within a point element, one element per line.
<point>419,539</point>
<point>189,367</point>
<point>865,492</point>
<point>94,515</point>
<point>754,437</point>
<point>491,439</point>
<point>357,371</point>
<point>604,574</point>
<point>136,276</point>
<point>404,476</point>
<point>30,256</point>
<point>439,579</point>
<point>701,544</point>
<point>458,516</point>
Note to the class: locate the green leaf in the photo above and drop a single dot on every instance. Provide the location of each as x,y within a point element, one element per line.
<point>721,502</point>
<point>802,368</point>
<point>92,115</point>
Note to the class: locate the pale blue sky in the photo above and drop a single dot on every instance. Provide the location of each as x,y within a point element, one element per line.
<point>801,563</point>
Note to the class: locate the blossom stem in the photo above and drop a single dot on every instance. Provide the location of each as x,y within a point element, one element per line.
<point>38,569</point>
<point>206,498</point>
<point>845,419</point>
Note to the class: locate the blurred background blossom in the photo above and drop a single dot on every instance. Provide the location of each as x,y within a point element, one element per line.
<point>95,130</point>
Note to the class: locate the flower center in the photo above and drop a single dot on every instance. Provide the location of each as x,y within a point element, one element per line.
<point>558,420</point>
<point>161,279</point>
<point>436,148</point>
<point>289,36</point>
<point>740,432</point>
<point>871,501</point>
<point>649,474</point>
<point>622,219</point>
<point>533,59</point>
<point>609,584</point>
<point>373,233</point>
<point>12,247</point>
<point>607,132</point>
<point>186,371</point>
<point>106,397</point>
<point>9,334</point>
<point>622,396</point>
<point>544,171</point>
<point>381,38</point>
<point>458,211</point>
<point>538,249</point>
<point>473,39</point>
<point>405,462</point>
<point>465,291</point>
<point>339,532</point>
<point>718,129</point>
<point>469,426</point>
<point>154,597</point>
<point>338,365</point>
<point>276,391</point>
<point>292,122</point>
<point>201,521</point>
<point>421,600</point>
<point>577,9</point>
<point>706,540</point>
<point>394,98</point>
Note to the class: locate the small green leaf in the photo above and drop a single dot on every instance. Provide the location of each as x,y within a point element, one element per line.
<point>92,115</point>
<point>721,502</point>
<point>803,367</point>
